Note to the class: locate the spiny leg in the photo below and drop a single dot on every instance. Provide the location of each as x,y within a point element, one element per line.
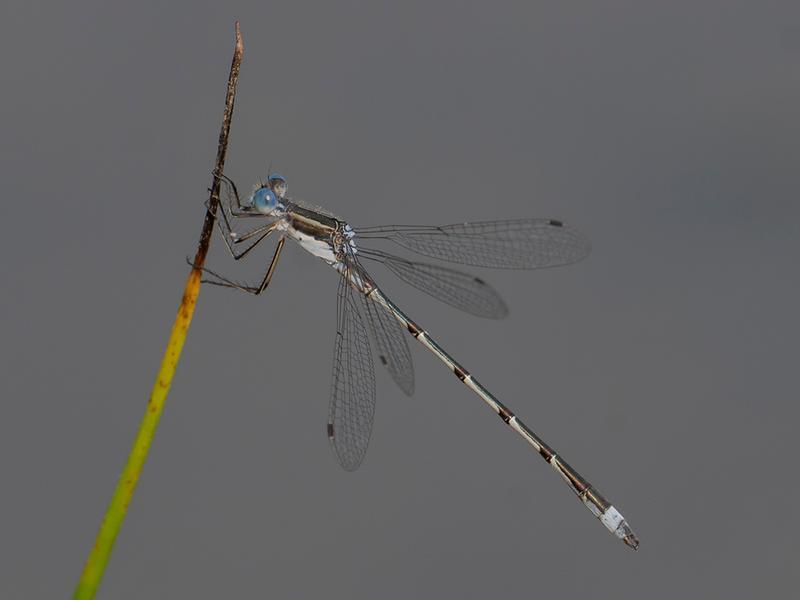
<point>221,281</point>
<point>230,237</point>
<point>250,289</point>
<point>263,232</point>
<point>272,265</point>
<point>229,212</point>
<point>241,210</point>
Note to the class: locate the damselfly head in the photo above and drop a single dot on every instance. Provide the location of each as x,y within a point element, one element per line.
<point>277,184</point>
<point>264,200</point>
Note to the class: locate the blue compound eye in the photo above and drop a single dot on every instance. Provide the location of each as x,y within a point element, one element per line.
<point>264,200</point>
<point>277,183</point>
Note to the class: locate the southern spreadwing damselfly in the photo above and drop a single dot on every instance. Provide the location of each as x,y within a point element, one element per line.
<point>362,306</point>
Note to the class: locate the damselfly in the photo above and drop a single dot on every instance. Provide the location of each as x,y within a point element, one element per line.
<point>362,306</point>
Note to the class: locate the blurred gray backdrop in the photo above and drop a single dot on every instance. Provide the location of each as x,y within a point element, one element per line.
<point>664,367</point>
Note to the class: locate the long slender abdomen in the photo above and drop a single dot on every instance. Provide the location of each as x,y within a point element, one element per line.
<point>589,496</point>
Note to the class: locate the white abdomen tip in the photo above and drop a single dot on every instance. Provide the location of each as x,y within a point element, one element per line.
<point>616,524</point>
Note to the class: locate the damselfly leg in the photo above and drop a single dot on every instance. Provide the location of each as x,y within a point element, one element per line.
<point>250,289</point>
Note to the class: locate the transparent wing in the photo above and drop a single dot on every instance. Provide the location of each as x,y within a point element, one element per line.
<point>352,404</point>
<point>391,344</point>
<point>456,288</point>
<point>517,244</point>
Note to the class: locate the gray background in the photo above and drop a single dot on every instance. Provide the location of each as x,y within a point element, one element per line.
<point>664,367</point>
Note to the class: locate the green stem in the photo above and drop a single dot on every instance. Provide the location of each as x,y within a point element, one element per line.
<point>126,485</point>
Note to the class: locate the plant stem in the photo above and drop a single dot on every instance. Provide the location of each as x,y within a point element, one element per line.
<point>126,485</point>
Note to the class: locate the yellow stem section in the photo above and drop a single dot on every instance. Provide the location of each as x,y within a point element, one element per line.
<point>118,507</point>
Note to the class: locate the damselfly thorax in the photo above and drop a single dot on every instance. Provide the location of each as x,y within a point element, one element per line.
<point>320,234</point>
